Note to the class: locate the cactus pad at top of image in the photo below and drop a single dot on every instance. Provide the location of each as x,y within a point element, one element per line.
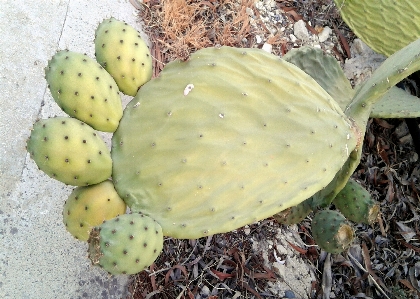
<point>384,25</point>
<point>120,49</point>
<point>126,244</point>
<point>69,151</point>
<point>84,90</point>
<point>227,138</point>
<point>89,206</point>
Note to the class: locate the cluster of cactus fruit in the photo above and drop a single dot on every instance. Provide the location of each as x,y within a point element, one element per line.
<point>227,138</point>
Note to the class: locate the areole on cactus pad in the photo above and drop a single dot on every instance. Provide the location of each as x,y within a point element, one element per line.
<point>227,138</point>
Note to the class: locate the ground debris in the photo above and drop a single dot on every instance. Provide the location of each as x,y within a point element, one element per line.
<point>238,264</point>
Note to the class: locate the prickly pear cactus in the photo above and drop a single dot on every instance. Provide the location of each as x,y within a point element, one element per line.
<point>120,49</point>
<point>70,151</point>
<point>126,244</point>
<point>212,144</point>
<point>331,231</point>
<point>295,214</point>
<point>89,206</point>
<point>325,69</point>
<point>398,22</point>
<point>84,90</point>
<point>356,204</point>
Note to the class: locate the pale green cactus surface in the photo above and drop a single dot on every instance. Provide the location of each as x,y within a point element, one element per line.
<point>126,244</point>
<point>384,25</point>
<point>84,90</point>
<point>70,151</point>
<point>89,206</point>
<point>120,49</point>
<point>227,138</point>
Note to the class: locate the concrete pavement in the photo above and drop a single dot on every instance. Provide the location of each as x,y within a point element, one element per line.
<point>38,258</point>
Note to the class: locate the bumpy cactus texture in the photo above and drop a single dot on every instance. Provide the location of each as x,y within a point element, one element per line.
<point>331,231</point>
<point>294,214</point>
<point>384,25</point>
<point>89,206</point>
<point>126,244</point>
<point>84,90</point>
<point>397,103</point>
<point>70,151</point>
<point>325,70</point>
<point>120,49</point>
<point>213,144</point>
<point>356,204</point>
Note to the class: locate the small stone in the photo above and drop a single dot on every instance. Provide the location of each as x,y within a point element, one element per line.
<point>324,34</point>
<point>267,47</point>
<point>250,12</point>
<point>300,30</point>
<point>205,291</point>
<point>289,294</point>
<point>258,38</point>
<point>292,38</point>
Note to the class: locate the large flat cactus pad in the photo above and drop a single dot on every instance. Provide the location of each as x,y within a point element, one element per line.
<point>227,138</point>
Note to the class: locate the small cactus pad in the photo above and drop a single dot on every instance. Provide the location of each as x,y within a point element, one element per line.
<point>331,231</point>
<point>325,69</point>
<point>89,206</point>
<point>84,90</point>
<point>396,103</point>
<point>397,22</point>
<point>295,214</point>
<point>120,49</point>
<point>126,244</point>
<point>229,137</point>
<point>356,204</point>
<point>70,151</point>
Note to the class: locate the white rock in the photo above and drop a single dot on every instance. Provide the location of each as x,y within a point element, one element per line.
<point>258,38</point>
<point>324,34</point>
<point>250,12</point>
<point>292,38</point>
<point>205,291</point>
<point>267,47</point>
<point>300,30</point>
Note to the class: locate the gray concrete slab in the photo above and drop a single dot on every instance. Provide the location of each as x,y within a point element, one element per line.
<point>38,258</point>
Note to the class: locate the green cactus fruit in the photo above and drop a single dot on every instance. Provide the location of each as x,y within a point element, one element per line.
<point>89,206</point>
<point>398,22</point>
<point>331,231</point>
<point>227,138</point>
<point>294,215</point>
<point>84,90</point>
<point>126,244</point>
<point>70,151</point>
<point>325,69</point>
<point>356,204</point>
<point>120,49</point>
